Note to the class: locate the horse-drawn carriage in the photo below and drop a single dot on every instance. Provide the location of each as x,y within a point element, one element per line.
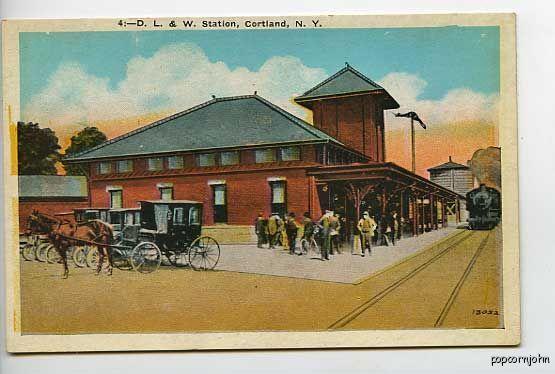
<point>142,236</point>
<point>170,229</point>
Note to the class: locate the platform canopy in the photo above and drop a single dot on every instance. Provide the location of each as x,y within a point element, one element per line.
<point>394,176</point>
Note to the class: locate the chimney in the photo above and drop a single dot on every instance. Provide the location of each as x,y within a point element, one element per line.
<point>450,160</point>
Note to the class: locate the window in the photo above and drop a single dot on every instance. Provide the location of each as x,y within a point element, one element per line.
<point>124,166</point>
<point>220,203</point>
<point>290,153</point>
<point>104,168</point>
<point>155,163</point>
<point>175,162</point>
<point>194,216</point>
<point>116,199</point>
<point>229,158</point>
<point>178,216</point>
<point>103,216</point>
<point>166,193</point>
<point>129,218</point>
<point>279,204</point>
<point>206,159</point>
<point>265,155</point>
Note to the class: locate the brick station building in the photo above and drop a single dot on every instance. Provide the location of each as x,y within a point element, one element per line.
<point>243,155</point>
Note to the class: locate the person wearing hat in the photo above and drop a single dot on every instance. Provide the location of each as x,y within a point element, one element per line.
<point>273,226</point>
<point>308,227</point>
<point>291,228</point>
<point>366,226</point>
<point>326,238</point>
<point>261,228</point>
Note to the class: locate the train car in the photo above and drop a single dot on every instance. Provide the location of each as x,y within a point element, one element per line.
<point>484,208</point>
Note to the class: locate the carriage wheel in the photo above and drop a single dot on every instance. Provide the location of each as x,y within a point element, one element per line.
<point>40,252</point>
<point>146,257</point>
<point>28,252</point>
<point>52,255</point>
<point>80,256</point>
<point>204,253</point>
<point>92,257</point>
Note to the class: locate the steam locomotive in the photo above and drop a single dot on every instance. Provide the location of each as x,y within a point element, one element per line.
<point>484,208</point>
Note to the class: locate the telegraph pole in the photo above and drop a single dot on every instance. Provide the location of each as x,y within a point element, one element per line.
<point>413,145</point>
<point>413,117</point>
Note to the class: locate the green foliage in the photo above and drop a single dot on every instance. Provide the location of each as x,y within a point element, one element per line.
<point>86,139</point>
<point>37,149</point>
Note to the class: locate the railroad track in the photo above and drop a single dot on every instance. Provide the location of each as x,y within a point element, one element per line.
<point>355,313</point>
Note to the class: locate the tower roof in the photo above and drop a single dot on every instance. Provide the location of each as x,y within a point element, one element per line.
<point>346,82</point>
<point>448,165</point>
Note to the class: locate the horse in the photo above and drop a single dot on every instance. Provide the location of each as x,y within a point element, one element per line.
<point>63,233</point>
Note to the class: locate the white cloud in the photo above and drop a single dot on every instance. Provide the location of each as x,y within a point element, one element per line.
<point>175,78</point>
<point>179,76</point>
<point>457,105</point>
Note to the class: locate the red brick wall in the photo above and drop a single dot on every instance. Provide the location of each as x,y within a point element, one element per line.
<point>48,207</point>
<point>248,192</point>
<point>355,121</point>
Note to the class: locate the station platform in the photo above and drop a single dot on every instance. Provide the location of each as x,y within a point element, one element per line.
<point>341,268</point>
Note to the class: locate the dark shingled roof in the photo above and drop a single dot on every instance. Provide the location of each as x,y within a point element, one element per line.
<point>219,123</point>
<point>346,81</point>
<point>448,165</point>
<point>33,186</point>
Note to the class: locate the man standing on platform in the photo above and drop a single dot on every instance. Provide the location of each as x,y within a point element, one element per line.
<point>273,229</point>
<point>291,228</point>
<point>366,226</point>
<point>326,239</point>
<point>335,226</point>
<point>260,228</point>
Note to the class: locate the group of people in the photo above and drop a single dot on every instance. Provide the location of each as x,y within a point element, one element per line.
<point>277,231</point>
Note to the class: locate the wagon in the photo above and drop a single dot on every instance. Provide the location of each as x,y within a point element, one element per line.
<point>160,228</point>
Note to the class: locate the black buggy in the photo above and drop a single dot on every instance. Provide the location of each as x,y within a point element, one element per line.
<point>169,228</point>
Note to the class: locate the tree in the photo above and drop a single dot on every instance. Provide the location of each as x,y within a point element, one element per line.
<point>86,139</point>
<point>37,149</point>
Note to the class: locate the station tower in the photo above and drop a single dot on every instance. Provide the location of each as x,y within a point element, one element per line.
<point>350,107</point>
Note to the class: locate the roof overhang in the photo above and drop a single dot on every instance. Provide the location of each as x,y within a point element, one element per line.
<point>388,100</point>
<point>200,150</point>
<point>377,172</point>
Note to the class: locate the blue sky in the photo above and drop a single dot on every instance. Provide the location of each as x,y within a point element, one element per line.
<point>446,58</point>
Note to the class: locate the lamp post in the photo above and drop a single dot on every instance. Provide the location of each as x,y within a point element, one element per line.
<point>413,117</point>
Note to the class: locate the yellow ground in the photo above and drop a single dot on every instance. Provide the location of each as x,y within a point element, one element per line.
<point>412,294</point>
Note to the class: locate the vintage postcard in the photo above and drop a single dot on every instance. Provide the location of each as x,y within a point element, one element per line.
<point>260,182</point>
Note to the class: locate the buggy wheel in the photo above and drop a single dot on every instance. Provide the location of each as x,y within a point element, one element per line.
<point>28,252</point>
<point>80,256</point>
<point>146,257</point>
<point>92,257</point>
<point>40,252</point>
<point>52,255</point>
<point>204,253</point>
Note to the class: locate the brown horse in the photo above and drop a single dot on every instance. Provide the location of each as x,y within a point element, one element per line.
<point>61,232</point>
